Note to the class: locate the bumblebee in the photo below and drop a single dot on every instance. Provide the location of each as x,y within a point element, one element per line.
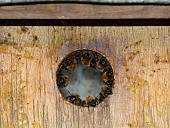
<point>74,99</point>
<point>70,63</point>
<point>105,91</point>
<point>110,73</point>
<point>102,64</point>
<point>94,61</point>
<point>62,81</point>
<point>84,104</point>
<point>90,59</point>
<point>110,82</point>
<point>91,101</point>
<point>107,76</point>
<point>86,59</point>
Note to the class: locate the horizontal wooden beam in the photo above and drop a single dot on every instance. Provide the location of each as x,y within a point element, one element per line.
<point>93,1</point>
<point>71,11</point>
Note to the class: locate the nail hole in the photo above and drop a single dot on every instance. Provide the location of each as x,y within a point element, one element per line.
<point>85,78</point>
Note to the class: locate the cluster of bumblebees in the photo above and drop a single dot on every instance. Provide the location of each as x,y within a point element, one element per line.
<point>91,59</point>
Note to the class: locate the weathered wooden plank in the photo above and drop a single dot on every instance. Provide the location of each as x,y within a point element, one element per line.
<point>140,57</point>
<point>81,11</point>
<point>96,1</point>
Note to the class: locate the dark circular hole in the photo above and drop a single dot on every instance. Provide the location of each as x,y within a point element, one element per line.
<point>85,78</point>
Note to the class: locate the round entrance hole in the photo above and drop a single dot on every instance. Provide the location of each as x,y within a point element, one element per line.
<point>85,78</point>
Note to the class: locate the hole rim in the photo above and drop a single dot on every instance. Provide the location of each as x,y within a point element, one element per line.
<point>110,85</point>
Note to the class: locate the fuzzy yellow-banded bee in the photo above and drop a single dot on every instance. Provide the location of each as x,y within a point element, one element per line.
<point>91,101</point>
<point>105,91</point>
<point>62,81</point>
<point>86,58</point>
<point>102,64</point>
<point>107,76</point>
<point>70,63</point>
<point>90,59</point>
<point>74,98</point>
<point>94,60</point>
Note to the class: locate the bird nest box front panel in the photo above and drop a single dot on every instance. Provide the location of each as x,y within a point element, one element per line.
<point>84,77</point>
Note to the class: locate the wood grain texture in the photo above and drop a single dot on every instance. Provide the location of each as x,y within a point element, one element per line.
<point>98,1</point>
<point>102,1</point>
<point>82,11</point>
<point>140,57</point>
